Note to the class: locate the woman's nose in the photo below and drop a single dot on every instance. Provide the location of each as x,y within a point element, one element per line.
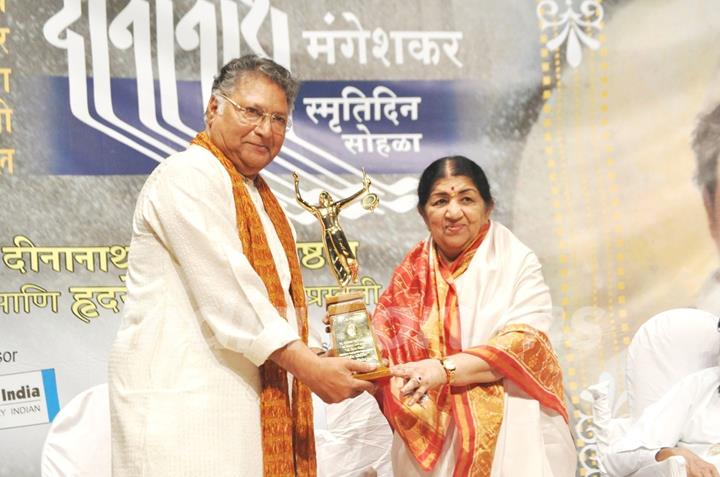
<point>453,210</point>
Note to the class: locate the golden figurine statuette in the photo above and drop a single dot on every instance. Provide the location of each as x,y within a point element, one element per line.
<point>351,330</point>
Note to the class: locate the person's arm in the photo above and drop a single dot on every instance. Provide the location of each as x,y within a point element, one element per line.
<point>190,210</point>
<point>660,424</point>
<point>530,304</point>
<point>426,374</point>
<point>298,196</point>
<point>471,370</point>
<point>696,467</point>
<point>366,187</point>
<point>330,378</point>
<point>628,462</point>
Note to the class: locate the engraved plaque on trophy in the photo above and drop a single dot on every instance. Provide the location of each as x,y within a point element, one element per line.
<point>351,331</point>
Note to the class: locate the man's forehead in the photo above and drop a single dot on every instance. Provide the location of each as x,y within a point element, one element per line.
<point>260,89</point>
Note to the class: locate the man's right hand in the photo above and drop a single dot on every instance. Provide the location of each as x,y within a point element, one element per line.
<point>330,378</point>
<point>333,379</point>
<point>696,467</point>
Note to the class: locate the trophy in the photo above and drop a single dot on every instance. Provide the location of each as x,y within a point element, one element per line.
<point>351,330</point>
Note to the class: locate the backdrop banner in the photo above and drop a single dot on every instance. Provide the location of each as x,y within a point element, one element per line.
<point>581,112</point>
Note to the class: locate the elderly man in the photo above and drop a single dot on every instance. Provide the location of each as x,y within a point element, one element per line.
<point>685,422</point>
<point>215,317</point>
<point>706,144</point>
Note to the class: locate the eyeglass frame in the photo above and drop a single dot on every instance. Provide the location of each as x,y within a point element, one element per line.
<point>263,114</point>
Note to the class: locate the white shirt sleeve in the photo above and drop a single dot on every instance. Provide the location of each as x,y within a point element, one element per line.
<point>190,208</point>
<point>660,425</point>
<point>624,463</point>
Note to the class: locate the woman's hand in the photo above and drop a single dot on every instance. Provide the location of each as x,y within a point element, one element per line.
<point>419,377</point>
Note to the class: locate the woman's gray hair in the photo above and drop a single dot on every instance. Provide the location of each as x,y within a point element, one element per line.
<point>706,144</point>
<point>235,70</point>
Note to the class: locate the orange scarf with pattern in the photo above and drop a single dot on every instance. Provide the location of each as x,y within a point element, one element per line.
<point>287,433</point>
<point>418,318</point>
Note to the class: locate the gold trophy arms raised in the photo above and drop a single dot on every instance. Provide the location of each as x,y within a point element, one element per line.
<point>351,330</point>
<point>340,256</point>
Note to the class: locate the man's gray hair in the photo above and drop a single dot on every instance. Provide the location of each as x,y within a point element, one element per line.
<point>706,144</point>
<point>237,69</point>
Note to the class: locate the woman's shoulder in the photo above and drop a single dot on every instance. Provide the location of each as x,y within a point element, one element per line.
<point>506,250</point>
<point>503,238</point>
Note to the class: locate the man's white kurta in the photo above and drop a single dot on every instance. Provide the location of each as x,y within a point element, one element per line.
<point>687,416</point>
<point>197,323</point>
<point>504,285</point>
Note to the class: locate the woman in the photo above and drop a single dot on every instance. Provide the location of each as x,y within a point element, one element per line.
<point>477,388</point>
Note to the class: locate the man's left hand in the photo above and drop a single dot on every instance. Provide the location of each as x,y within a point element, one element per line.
<point>696,467</point>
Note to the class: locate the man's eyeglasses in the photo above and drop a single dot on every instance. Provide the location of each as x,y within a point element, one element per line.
<point>252,116</point>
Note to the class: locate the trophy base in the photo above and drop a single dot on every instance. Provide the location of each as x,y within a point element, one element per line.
<point>379,373</point>
<point>352,334</point>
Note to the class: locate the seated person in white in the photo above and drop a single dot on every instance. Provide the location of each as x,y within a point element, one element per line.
<point>685,422</point>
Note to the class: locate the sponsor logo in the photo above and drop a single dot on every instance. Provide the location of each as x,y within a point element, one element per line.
<point>28,399</point>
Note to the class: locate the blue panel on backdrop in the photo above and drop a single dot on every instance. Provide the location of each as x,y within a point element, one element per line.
<point>80,148</point>
<point>384,126</point>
